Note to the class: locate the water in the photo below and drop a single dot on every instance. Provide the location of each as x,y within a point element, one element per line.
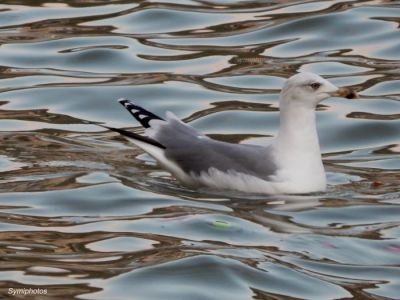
<point>85,215</point>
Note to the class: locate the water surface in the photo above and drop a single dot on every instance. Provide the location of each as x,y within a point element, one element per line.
<point>86,215</point>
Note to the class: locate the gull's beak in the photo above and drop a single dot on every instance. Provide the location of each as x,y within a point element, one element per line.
<point>345,93</point>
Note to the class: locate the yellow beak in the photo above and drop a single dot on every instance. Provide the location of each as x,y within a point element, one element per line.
<point>345,93</point>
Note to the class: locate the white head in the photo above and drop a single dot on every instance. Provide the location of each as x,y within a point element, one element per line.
<point>309,89</point>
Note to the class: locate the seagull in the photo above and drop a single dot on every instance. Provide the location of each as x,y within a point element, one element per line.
<point>290,164</point>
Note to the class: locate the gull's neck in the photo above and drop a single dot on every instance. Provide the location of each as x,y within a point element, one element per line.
<point>297,146</point>
<point>297,128</point>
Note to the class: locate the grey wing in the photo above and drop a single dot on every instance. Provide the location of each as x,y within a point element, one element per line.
<point>194,153</point>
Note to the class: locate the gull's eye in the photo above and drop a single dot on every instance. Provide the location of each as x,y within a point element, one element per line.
<point>315,85</point>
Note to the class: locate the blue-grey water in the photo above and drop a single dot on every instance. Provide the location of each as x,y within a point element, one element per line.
<point>86,215</point>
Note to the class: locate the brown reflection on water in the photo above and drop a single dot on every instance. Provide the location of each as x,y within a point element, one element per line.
<point>54,160</point>
<point>371,116</point>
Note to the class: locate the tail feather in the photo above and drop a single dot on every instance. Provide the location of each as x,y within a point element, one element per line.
<point>140,114</point>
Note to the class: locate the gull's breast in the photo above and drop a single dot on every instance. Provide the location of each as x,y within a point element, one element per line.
<point>279,184</point>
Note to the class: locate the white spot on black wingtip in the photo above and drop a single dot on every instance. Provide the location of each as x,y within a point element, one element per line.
<point>134,111</point>
<point>123,100</point>
<point>140,114</point>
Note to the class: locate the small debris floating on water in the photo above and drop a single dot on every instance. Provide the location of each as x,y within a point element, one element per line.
<point>377,183</point>
<point>393,248</point>
<point>221,224</point>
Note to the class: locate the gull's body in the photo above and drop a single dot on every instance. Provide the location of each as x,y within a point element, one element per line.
<point>290,164</point>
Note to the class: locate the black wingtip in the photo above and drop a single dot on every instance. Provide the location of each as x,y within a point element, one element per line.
<point>123,101</point>
<point>135,136</point>
<point>142,115</point>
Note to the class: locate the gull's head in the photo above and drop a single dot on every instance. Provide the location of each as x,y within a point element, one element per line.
<point>310,89</point>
